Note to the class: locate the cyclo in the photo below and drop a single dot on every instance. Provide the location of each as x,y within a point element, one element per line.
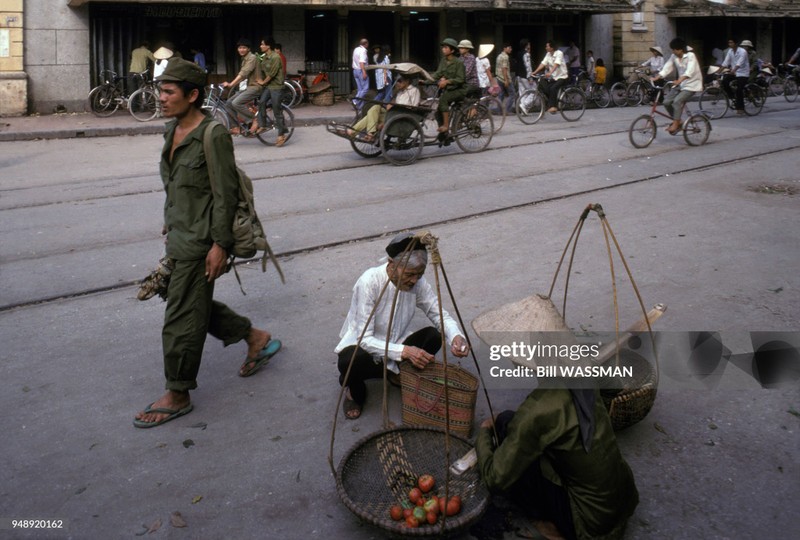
<point>406,129</point>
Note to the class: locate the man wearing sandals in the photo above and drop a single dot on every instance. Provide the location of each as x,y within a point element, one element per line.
<point>404,271</point>
<point>684,65</point>
<point>272,93</point>
<point>249,74</point>
<point>198,222</point>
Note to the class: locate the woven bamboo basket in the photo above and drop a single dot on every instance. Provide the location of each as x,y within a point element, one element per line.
<point>628,405</point>
<point>380,469</point>
<point>321,94</point>
<point>423,396</point>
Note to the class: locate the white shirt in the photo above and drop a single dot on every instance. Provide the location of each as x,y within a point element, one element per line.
<point>483,78</point>
<point>574,54</point>
<point>655,63</point>
<point>359,57</point>
<point>365,294</point>
<point>556,58</point>
<point>737,61</point>
<point>684,66</point>
<point>409,96</point>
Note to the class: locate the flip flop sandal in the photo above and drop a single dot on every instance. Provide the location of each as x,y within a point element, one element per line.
<point>173,414</point>
<point>272,347</point>
<point>349,406</point>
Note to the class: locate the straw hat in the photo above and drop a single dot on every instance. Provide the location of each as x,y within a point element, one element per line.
<point>657,50</point>
<point>163,54</point>
<point>484,49</point>
<point>746,43</point>
<point>465,44</point>
<point>713,69</point>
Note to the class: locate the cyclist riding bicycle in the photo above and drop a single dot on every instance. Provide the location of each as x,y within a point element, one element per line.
<point>451,77</point>
<point>684,64</point>
<point>556,75</point>
<point>737,62</point>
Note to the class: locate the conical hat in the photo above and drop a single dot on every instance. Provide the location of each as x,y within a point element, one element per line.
<point>484,49</point>
<point>163,54</point>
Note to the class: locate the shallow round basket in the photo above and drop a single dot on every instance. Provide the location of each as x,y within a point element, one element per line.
<point>629,405</point>
<point>380,470</point>
<point>322,99</point>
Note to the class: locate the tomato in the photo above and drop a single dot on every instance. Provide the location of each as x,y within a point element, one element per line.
<point>426,483</point>
<point>412,522</point>
<point>414,496</point>
<point>431,517</point>
<point>432,506</point>
<point>396,512</point>
<point>407,512</point>
<point>419,513</point>
<point>441,505</point>
<point>454,505</point>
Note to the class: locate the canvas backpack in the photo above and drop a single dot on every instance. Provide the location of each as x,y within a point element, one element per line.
<point>248,232</point>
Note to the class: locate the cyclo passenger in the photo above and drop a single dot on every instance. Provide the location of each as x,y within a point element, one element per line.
<point>451,78</point>
<point>406,94</point>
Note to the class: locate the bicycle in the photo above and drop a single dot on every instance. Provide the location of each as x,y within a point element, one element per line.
<point>716,102</point>
<point>108,96</point>
<point>530,106</point>
<point>631,92</point>
<point>219,109</point>
<point>144,103</point>
<point>496,109</point>
<point>595,93</point>
<point>790,83</point>
<point>696,128</point>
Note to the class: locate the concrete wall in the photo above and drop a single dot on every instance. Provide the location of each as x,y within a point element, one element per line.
<point>13,80</point>
<point>288,29</point>
<point>56,55</point>
<point>599,37</point>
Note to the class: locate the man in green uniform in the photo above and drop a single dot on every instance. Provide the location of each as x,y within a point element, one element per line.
<point>198,223</point>
<point>451,78</point>
<point>558,459</point>
<point>272,68</point>
<point>249,74</point>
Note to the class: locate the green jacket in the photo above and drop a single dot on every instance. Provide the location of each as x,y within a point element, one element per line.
<point>195,217</point>
<point>599,483</point>
<point>272,67</point>
<point>453,71</point>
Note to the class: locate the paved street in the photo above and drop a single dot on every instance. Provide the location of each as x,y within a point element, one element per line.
<point>710,231</point>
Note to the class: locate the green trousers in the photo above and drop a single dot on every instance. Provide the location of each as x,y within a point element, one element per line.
<point>191,314</point>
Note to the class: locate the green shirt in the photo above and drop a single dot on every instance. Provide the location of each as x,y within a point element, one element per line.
<point>139,58</point>
<point>194,216</point>
<point>453,71</point>
<point>272,67</point>
<point>599,483</point>
<point>250,69</point>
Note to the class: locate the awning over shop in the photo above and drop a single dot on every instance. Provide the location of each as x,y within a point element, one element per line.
<point>593,6</point>
<point>732,8</point>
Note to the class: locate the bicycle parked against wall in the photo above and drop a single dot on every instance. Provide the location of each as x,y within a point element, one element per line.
<point>109,95</point>
<point>595,93</point>
<point>532,104</point>
<point>716,102</point>
<point>225,115</point>
<point>143,104</point>
<point>696,127</point>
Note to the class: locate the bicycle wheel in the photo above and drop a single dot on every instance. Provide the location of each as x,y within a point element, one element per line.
<point>790,89</point>
<point>364,148</point>
<point>498,112</point>
<point>696,129</point>
<point>401,140</point>
<point>601,97</point>
<point>298,90</point>
<point>642,131</point>
<point>775,85</point>
<point>143,104</point>
<point>270,135</point>
<point>714,102</point>
<point>103,100</point>
<point>473,128</point>
<point>222,117</point>
<point>619,93</point>
<point>289,95</point>
<point>530,107</point>
<point>572,104</point>
<point>754,97</point>
<point>636,94</point>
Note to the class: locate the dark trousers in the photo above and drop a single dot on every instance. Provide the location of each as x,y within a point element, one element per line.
<point>364,366</point>
<point>740,84</point>
<point>271,97</point>
<point>550,88</point>
<point>538,497</point>
<point>191,314</point>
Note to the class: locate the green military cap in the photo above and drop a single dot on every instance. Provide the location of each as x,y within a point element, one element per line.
<point>450,42</point>
<point>179,69</point>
